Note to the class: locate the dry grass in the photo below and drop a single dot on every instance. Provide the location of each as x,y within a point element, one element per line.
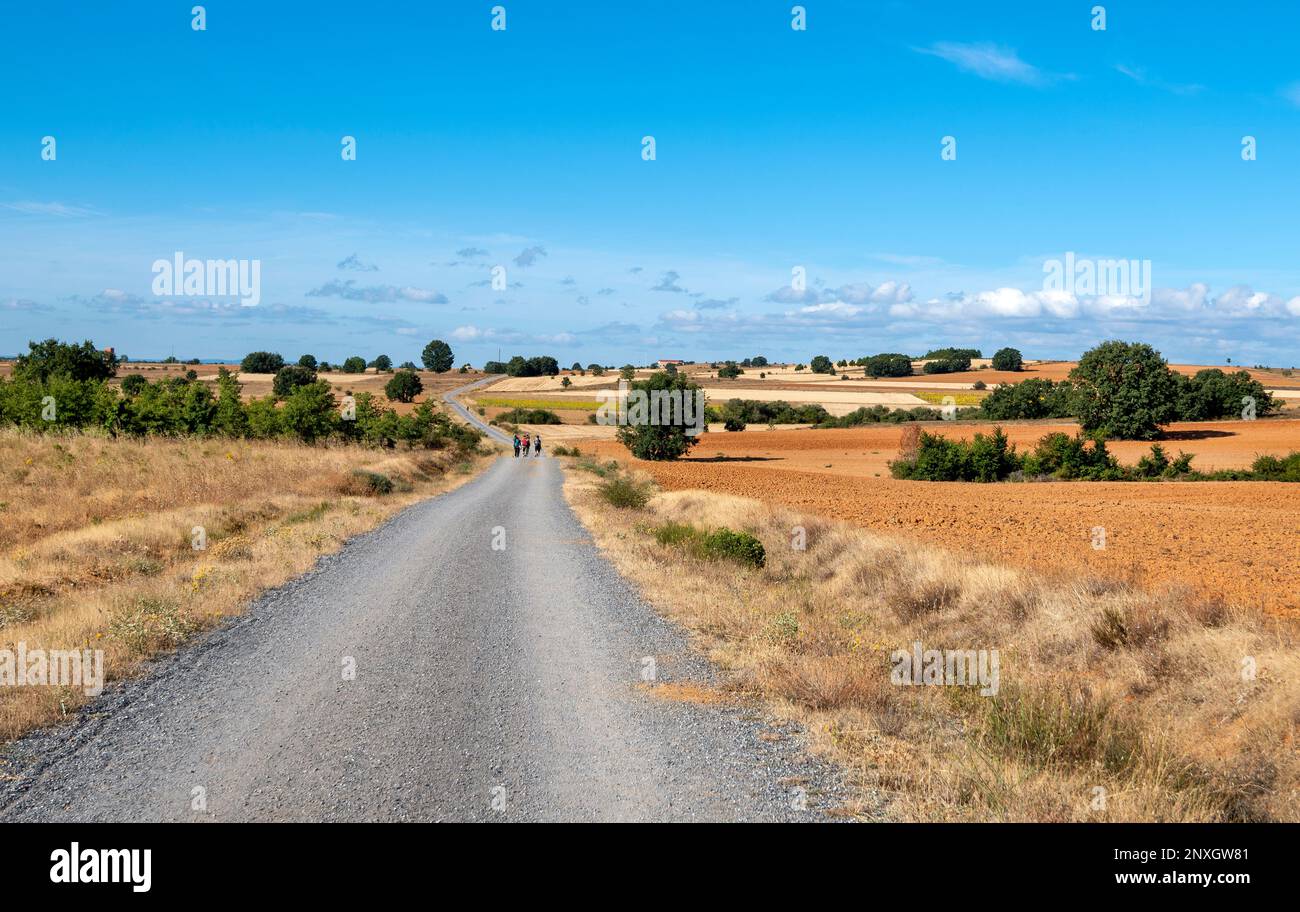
<point>97,535</point>
<point>1102,686</point>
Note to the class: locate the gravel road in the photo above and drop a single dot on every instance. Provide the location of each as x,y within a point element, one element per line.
<point>490,684</point>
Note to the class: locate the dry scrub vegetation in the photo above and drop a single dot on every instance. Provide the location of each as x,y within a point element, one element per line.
<point>1103,685</point>
<point>96,547</point>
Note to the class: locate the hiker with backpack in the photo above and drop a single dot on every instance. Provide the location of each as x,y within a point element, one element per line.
<point>517,442</point>
<point>537,445</point>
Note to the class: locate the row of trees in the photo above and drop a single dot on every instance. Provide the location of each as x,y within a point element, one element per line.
<point>437,356</point>
<point>938,361</point>
<point>1127,390</point>
<point>63,386</point>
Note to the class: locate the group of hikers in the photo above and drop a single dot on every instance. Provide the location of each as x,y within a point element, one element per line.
<point>524,443</point>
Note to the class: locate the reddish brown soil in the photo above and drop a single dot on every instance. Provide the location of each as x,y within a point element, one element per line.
<point>1236,540</point>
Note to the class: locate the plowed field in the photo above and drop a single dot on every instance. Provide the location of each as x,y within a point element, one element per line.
<point>1236,540</point>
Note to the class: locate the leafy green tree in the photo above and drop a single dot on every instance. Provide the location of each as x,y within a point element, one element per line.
<point>437,357</point>
<point>404,386</point>
<point>1212,394</point>
<point>230,417</point>
<point>308,361</point>
<point>53,358</point>
<point>759,361</point>
<point>1124,390</point>
<point>261,363</point>
<point>596,370</point>
<point>132,384</point>
<point>887,364</point>
<point>263,418</point>
<point>659,441</point>
<point>354,365</point>
<point>820,364</point>
<point>383,364</point>
<point>310,412</point>
<point>1008,359</point>
<point>729,371</point>
<point>290,377</point>
<point>627,372</point>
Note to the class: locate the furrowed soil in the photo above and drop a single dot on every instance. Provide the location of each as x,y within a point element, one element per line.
<point>1239,541</point>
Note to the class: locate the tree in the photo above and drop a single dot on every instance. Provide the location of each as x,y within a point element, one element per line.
<point>1213,394</point>
<point>596,370</point>
<point>820,364</point>
<point>53,358</point>
<point>887,364</point>
<point>577,367</point>
<point>354,365</point>
<point>261,363</point>
<point>309,412</point>
<point>1008,359</point>
<point>404,386</point>
<point>759,361</point>
<point>133,384</point>
<point>308,361</point>
<point>289,378</point>
<point>382,364</point>
<point>659,441</point>
<point>729,371</point>
<point>1124,390</point>
<point>627,372</point>
<point>494,367</point>
<point>408,366</point>
<point>437,357</point>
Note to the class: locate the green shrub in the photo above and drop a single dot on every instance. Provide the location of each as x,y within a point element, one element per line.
<point>1274,468</point>
<point>888,364</point>
<point>1008,359</point>
<point>261,363</point>
<point>528,416</point>
<point>720,544</point>
<point>290,377</point>
<point>621,491</point>
<point>734,424</point>
<point>369,484</point>
<point>740,547</point>
<point>404,386</point>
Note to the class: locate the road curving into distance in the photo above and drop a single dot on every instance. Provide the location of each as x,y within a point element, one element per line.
<point>490,684</point>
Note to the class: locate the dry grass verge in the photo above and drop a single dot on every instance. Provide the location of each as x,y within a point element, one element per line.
<point>97,538</point>
<point>1113,703</point>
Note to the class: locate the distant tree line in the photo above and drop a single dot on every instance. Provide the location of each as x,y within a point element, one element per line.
<point>60,386</point>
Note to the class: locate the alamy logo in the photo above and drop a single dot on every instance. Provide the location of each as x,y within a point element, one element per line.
<point>216,278</point>
<point>671,408</point>
<point>25,667</point>
<point>1110,278</point>
<point>78,865</point>
<point>950,667</point>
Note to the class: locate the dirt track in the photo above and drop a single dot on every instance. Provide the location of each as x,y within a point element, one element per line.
<point>1238,540</point>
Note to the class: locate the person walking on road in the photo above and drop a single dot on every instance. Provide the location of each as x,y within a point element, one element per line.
<point>537,445</point>
<point>526,443</point>
<point>516,446</point>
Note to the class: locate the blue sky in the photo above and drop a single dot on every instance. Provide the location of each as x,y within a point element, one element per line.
<point>776,150</point>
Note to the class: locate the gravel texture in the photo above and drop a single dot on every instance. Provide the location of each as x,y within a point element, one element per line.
<point>489,685</point>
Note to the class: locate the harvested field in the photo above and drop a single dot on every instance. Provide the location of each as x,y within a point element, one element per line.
<point>1238,540</point>
<point>98,546</point>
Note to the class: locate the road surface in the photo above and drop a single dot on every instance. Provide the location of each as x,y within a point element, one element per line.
<point>490,684</point>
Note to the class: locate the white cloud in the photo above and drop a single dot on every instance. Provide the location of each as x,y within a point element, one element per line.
<point>988,61</point>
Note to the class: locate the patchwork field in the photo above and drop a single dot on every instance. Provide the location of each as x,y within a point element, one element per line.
<point>1238,540</point>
